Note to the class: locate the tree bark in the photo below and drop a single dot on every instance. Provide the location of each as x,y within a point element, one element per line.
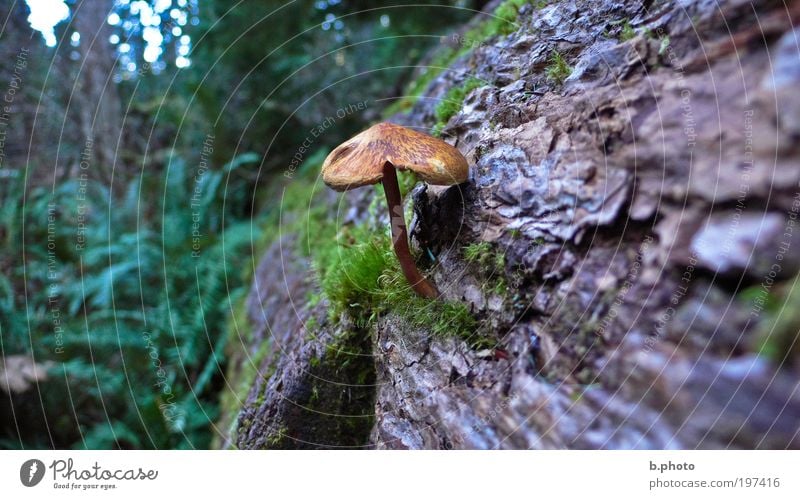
<point>97,99</point>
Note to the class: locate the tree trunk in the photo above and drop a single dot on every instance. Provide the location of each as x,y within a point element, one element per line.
<point>641,186</point>
<point>97,99</point>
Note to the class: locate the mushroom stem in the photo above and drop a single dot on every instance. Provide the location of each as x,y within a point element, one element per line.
<point>419,284</point>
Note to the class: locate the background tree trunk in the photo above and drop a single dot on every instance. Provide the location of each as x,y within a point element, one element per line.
<point>97,99</point>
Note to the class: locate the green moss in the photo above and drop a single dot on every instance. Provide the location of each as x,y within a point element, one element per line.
<point>300,212</point>
<point>491,264</point>
<point>276,439</point>
<point>347,356</point>
<point>239,322</point>
<point>341,398</point>
<point>350,270</point>
<point>362,278</point>
<point>245,424</point>
<point>406,180</point>
<point>241,371</point>
<point>262,395</point>
<point>311,325</point>
<point>664,45</point>
<point>500,261</point>
<point>453,101</point>
<point>355,266</point>
<point>776,336</point>
<point>442,318</point>
<point>477,252</point>
<point>502,22</point>
<point>486,256</point>
<point>441,61</point>
<point>626,32</point>
<point>580,389</point>
<point>558,70</point>
<point>357,270</point>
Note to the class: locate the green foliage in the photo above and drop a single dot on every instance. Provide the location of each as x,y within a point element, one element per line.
<point>128,301</point>
<point>558,70</point>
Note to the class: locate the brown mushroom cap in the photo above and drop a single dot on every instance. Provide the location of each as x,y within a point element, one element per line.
<point>359,161</point>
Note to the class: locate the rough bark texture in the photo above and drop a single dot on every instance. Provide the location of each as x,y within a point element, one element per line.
<point>646,207</point>
<point>97,100</point>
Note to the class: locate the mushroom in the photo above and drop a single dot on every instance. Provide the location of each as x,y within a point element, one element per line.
<point>373,155</point>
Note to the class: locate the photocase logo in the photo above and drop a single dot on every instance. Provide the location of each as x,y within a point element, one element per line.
<point>31,472</point>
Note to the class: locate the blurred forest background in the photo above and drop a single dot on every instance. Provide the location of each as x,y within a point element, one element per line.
<point>141,143</point>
